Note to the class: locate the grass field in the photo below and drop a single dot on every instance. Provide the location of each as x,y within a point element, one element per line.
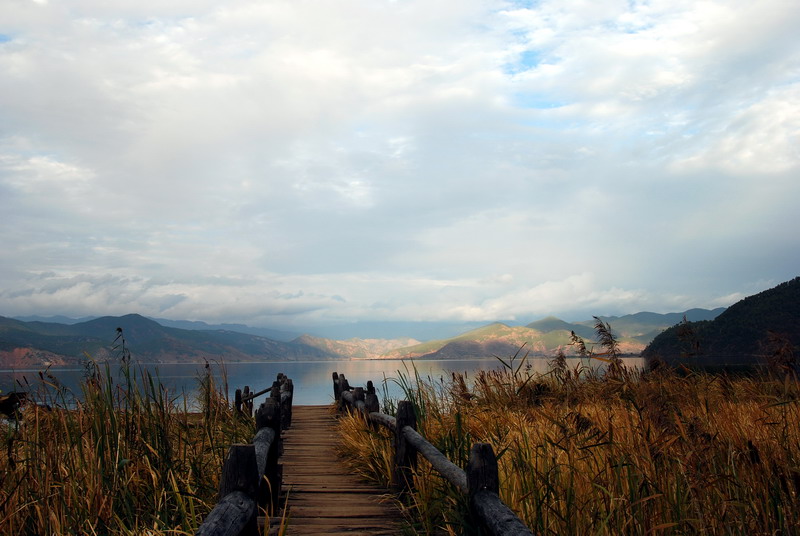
<point>582,452</point>
<point>126,457</point>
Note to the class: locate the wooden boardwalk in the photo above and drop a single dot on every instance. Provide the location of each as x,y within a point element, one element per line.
<point>323,497</point>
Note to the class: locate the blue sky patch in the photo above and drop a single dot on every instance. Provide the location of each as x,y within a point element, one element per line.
<point>536,101</point>
<point>528,60</point>
<point>4,38</point>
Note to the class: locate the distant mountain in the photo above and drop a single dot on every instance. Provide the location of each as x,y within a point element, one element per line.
<point>275,334</point>
<point>355,348</point>
<point>423,331</point>
<point>496,340</point>
<point>644,327</point>
<point>37,343</point>
<point>740,334</point>
<point>551,323</point>
<point>43,341</point>
<point>546,336</point>
<point>57,319</point>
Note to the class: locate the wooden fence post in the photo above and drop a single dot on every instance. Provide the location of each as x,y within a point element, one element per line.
<point>287,395</point>
<point>482,472</point>
<point>483,482</point>
<point>371,399</point>
<point>269,416</point>
<point>372,406</point>
<point>238,401</point>
<point>405,456</point>
<point>247,404</point>
<point>344,385</point>
<point>336,393</point>
<point>240,473</point>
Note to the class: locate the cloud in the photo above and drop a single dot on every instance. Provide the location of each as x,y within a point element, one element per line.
<point>284,162</point>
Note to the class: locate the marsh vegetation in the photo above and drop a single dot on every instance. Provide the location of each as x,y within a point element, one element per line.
<point>617,452</point>
<point>118,457</point>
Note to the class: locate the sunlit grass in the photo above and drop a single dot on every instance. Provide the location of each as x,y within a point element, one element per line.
<point>124,457</point>
<point>581,452</point>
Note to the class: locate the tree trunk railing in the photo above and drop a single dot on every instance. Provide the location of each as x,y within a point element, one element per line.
<point>251,475</point>
<point>480,481</point>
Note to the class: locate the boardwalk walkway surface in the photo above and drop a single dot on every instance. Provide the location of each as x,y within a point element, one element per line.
<point>323,496</point>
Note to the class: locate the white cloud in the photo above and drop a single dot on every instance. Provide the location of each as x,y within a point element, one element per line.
<point>465,160</point>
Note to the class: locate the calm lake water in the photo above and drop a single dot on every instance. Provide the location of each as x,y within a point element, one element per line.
<point>312,379</point>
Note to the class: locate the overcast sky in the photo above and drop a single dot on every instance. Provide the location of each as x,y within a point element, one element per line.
<point>302,162</point>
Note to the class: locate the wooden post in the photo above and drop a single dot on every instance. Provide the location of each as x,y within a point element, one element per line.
<point>483,482</point>
<point>286,403</point>
<point>269,416</point>
<point>482,473</point>
<point>372,406</point>
<point>405,456</point>
<point>276,390</point>
<point>290,388</point>
<point>342,389</point>
<point>240,473</point>
<point>358,402</point>
<point>344,385</point>
<point>371,399</point>
<point>238,401</point>
<point>248,404</point>
<point>336,393</point>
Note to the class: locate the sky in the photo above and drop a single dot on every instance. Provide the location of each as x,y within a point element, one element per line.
<point>315,162</point>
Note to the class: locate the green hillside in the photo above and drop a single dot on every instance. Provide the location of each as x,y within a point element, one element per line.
<point>26,342</point>
<point>551,324</point>
<point>740,334</point>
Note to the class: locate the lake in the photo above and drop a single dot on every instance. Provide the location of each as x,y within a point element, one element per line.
<point>312,379</point>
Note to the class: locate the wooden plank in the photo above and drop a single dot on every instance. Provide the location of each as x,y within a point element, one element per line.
<point>324,497</point>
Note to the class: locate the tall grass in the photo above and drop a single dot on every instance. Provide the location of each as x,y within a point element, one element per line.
<point>620,452</point>
<point>124,457</point>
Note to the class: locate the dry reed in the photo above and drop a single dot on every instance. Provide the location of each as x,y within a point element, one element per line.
<point>124,457</point>
<point>582,452</point>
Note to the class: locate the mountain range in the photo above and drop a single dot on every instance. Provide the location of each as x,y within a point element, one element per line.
<point>41,342</point>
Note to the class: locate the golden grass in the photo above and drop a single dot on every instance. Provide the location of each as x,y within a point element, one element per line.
<point>659,453</point>
<point>124,458</point>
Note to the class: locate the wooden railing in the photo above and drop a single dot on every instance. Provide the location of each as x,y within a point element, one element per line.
<point>480,481</point>
<point>251,475</point>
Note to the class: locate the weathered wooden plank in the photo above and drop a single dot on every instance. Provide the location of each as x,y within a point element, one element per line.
<point>324,497</point>
<point>315,510</point>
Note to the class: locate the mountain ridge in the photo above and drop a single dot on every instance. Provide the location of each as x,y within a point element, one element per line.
<point>41,343</point>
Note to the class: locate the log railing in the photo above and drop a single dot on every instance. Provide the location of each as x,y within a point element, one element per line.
<point>251,475</point>
<point>480,481</point>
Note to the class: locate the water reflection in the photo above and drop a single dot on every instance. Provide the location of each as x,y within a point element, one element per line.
<point>312,379</point>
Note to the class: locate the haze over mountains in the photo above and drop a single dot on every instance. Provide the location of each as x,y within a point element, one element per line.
<point>36,341</point>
